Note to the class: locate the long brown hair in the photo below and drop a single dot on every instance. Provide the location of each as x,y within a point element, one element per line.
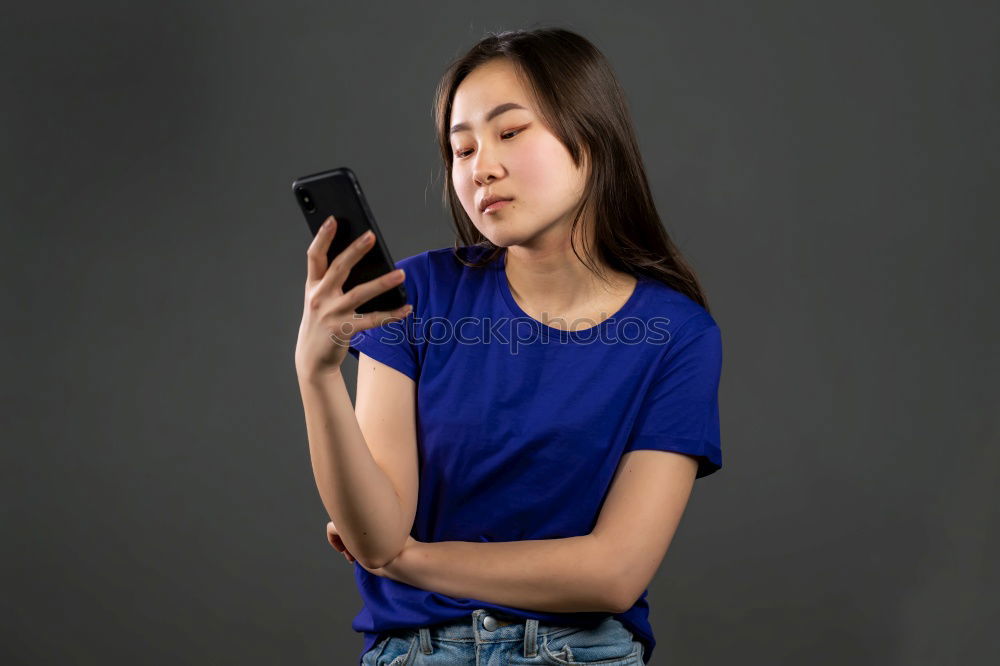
<point>579,99</point>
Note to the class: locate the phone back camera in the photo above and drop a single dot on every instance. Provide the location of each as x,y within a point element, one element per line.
<point>306,200</point>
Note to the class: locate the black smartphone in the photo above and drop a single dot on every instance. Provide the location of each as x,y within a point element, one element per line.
<point>337,192</point>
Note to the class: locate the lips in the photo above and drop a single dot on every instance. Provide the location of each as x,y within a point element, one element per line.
<point>491,200</point>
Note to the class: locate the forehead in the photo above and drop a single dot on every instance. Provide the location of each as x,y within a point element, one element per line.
<point>484,88</point>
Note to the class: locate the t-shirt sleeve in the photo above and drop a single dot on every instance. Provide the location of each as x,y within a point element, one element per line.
<point>394,343</point>
<point>680,411</point>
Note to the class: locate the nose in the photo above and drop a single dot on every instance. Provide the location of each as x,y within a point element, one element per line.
<point>486,168</point>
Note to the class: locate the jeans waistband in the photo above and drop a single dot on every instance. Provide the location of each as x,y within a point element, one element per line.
<point>484,625</point>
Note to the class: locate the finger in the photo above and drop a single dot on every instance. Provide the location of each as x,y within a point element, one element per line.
<point>316,259</point>
<point>361,322</point>
<point>382,317</point>
<point>365,291</point>
<point>342,264</point>
<point>338,544</point>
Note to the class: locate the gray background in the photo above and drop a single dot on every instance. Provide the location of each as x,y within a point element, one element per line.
<point>830,169</point>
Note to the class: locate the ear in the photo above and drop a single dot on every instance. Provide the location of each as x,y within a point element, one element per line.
<point>585,159</point>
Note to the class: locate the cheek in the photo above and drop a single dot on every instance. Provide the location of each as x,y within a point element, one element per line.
<point>461,181</point>
<point>537,167</point>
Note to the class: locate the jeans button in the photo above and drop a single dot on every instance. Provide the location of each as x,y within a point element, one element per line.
<point>490,623</point>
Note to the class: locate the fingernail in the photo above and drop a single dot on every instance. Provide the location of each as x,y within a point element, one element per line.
<point>328,222</point>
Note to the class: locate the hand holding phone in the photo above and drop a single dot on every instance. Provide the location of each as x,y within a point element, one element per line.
<point>337,192</point>
<point>329,316</point>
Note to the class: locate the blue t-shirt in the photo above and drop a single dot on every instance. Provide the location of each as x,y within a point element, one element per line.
<point>520,425</point>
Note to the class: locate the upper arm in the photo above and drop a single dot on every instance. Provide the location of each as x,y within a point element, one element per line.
<point>385,405</point>
<point>648,495</point>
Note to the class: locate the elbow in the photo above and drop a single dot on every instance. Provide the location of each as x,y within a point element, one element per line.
<point>615,579</point>
<point>375,564</point>
<point>613,574</point>
<point>621,590</point>
<point>369,563</point>
<point>381,560</point>
<point>383,553</point>
<point>622,600</point>
<point>622,597</point>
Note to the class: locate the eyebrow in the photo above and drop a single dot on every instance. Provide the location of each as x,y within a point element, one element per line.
<point>506,106</point>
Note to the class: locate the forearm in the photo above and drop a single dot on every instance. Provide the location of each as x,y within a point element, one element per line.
<point>566,575</point>
<point>358,496</point>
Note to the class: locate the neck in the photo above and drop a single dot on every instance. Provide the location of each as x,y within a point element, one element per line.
<point>553,279</point>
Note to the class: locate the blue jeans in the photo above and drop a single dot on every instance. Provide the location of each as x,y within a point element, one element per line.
<point>488,638</point>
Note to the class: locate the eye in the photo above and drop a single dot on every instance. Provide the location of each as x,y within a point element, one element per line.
<point>513,132</point>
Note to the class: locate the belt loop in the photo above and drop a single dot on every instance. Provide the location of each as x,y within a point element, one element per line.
<point>531,638</point>
<point>425,641</point>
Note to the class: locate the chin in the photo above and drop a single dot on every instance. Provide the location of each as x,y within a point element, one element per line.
<point>501,238</point>
<point>496,234</point>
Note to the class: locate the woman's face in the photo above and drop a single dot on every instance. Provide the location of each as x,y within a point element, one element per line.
<point>512,155</point>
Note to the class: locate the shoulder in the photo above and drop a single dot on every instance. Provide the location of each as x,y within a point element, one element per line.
<point>444,258</point>
<point>421,266</point>
<point>434,276</point>
<point>684,316</point>
<point>443,266</point>
<point>455,257</point>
